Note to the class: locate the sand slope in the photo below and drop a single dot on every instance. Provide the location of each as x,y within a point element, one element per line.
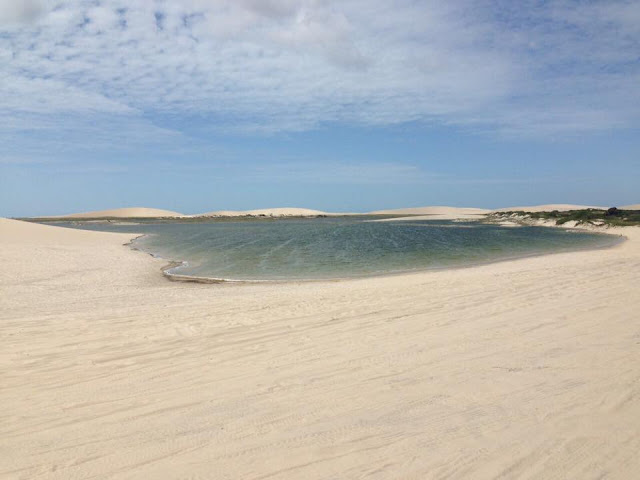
<point>270,212</point>
<point>522,369</point>
<point>635,206</point>
<point>14,232</point>
<point>133,212</point>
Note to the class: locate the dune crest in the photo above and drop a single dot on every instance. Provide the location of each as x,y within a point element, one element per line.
<point>131,212</point>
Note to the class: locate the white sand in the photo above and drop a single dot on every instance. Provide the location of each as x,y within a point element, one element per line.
<point>433,213</point>
<point>437,210</point>
<point>520,369</point>
<point>270,212</point>
<point>133,212</point>
<point>561,207</point>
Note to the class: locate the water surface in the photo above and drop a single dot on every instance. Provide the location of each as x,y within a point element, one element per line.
<point>329,248</point>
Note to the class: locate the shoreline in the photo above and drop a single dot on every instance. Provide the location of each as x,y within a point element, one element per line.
<point>517,368</point>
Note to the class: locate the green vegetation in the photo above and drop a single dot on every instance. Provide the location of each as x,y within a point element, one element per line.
<point>591,216</point>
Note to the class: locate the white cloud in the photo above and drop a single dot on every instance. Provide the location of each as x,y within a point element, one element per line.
<point>19,12</point>
<point>520,68</point>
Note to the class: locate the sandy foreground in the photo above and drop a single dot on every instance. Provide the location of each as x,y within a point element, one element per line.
<point>520,369</point>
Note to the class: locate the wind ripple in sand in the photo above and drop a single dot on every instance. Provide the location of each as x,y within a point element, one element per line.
<point>524,369</point>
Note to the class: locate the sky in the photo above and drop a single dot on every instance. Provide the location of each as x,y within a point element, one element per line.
<point>351,105</point>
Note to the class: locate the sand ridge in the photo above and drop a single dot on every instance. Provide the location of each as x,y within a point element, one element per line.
<point>130,212</point>
<point>15,232</point>
<point>417,213</point>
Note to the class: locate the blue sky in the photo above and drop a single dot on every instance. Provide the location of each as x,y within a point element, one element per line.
<point>354,105</point>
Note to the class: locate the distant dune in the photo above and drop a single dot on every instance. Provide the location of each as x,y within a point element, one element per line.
<point>269,212</point>
<point>561,207</point>
<point>438,210</point>
<point>434,212</point>
<point>431,213</point>
<point>133,212</point>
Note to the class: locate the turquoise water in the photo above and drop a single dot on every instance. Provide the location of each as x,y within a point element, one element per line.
<point>297,249</point>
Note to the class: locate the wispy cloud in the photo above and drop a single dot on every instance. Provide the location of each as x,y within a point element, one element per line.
<point>336,172</point>
<point>518,68</point>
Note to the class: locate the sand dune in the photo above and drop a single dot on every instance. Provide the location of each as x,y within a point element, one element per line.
<point>437,210</point>
<point>25,233</point>
<point>548,208</point>
<point>520,369</point>
<point>133,212</point>
<point>270,212</point>
<point>433,213</point>
<point>635,206</point>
